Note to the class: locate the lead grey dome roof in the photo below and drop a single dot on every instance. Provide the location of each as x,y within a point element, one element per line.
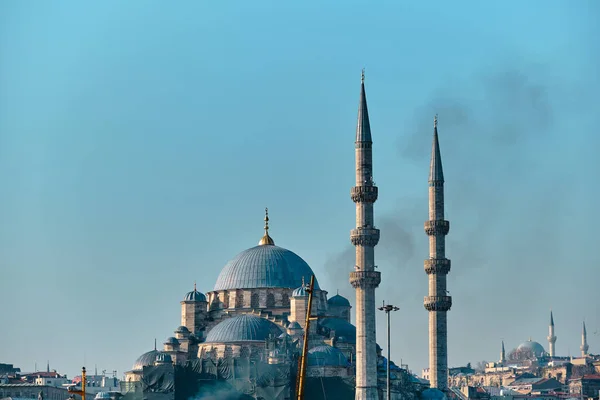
<point>145,360</point>
<point>264,266</point>
<point>326,355</point>
<point>536,348</point>
<point>344,330</point>
<point>194,295</point>
<point>242,328</point>
<point>339,301</point>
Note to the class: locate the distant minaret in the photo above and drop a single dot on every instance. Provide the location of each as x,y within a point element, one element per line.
<point>437,267</point>
<point>503,353</point>
<point>551,336</point>
<point>584,345</point>
<point>48,366</point>
<point>365,237</point>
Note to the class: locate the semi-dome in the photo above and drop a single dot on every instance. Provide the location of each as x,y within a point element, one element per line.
<point>194,295</point>
<point>326,355</point>
<point>344,330</point>
<point>338,301</point>
<point>242,328</point>
<point>264,266</point>
<point>145,360</point>
<point>534,348</point>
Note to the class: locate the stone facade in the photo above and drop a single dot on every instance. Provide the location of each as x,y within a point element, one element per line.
<point>437,303</point>
<point>365,237</point>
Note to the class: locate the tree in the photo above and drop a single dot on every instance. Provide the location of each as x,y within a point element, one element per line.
<point>480,367</point>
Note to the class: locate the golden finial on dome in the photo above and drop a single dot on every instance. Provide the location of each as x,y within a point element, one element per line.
<point>266,239</point>
<point>195,286</point>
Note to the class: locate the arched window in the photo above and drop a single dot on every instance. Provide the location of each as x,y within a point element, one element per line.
<point>270,300</point>
<point>285,300</point>
<point>254,300</point>
<point>239,299</point>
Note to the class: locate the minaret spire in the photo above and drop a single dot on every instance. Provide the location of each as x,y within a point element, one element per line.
<point>437,267</point>
<point>502,353</point>
<point>363,126</point>
<point>551,337</point>
<point>266,239</point>
<point>364,237</point>
<point>436,172</point>
<point>584,344</point>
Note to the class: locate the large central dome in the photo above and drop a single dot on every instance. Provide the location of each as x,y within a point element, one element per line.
<point>264,266</point>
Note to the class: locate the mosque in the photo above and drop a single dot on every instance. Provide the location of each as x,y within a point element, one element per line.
<point>256,312</point>
<point>248,330</point>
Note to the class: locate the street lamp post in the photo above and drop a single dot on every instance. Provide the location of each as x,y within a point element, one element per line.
<point>388,308</point>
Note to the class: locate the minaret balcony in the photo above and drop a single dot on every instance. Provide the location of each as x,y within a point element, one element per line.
<point>367,237</point>
<point>551,339</point>
<point>438,266</point>
<point>365,279</point>
<point>437,303</point>
<point>364,194</point>
<point>437,227</point>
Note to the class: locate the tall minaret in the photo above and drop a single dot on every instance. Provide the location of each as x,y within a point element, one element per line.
<point>365,237</point>
<point>437,267</point>
<point>584,345</point>
<point>551,336</point>
<point>503,354</point>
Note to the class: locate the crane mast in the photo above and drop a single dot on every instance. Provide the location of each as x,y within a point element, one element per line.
<point>302,361</point>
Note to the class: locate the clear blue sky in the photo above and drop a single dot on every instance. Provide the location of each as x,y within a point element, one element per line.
<point>141,140</point>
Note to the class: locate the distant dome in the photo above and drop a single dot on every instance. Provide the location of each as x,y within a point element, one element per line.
<point>344,330</point>
<point>339,301</point>
<point>242,328</point>
<point>194,295</point>
<point>433,394</point>
<point>326,355</point>
<point>145,360</point>
<point>264,266</point>
<point>182,329</point>
<point>171,341</point>
<point>300,292</point>
<point>531,347</point>
<point>163,358</point>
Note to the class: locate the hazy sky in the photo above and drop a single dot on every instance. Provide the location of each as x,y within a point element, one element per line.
<point>141,140</point>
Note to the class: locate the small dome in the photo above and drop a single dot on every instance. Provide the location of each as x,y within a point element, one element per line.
<point>433,394</point>
<point>242,328</point>
<point>338,301</point>
<point>300,292</point>
<point>194,295</point>
<point>182,329</point>
<point>172,341</point>
<point>102,396</point>
<point>532,347</point>
<point>294,325</point>
<point>326,355</point>
<point>163,358</point>
<point>264,266</point>
<point>344,330</point>
<point>145,360</point>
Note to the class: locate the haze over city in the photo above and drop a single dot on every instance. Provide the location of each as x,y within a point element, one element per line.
<point>141,141</point>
